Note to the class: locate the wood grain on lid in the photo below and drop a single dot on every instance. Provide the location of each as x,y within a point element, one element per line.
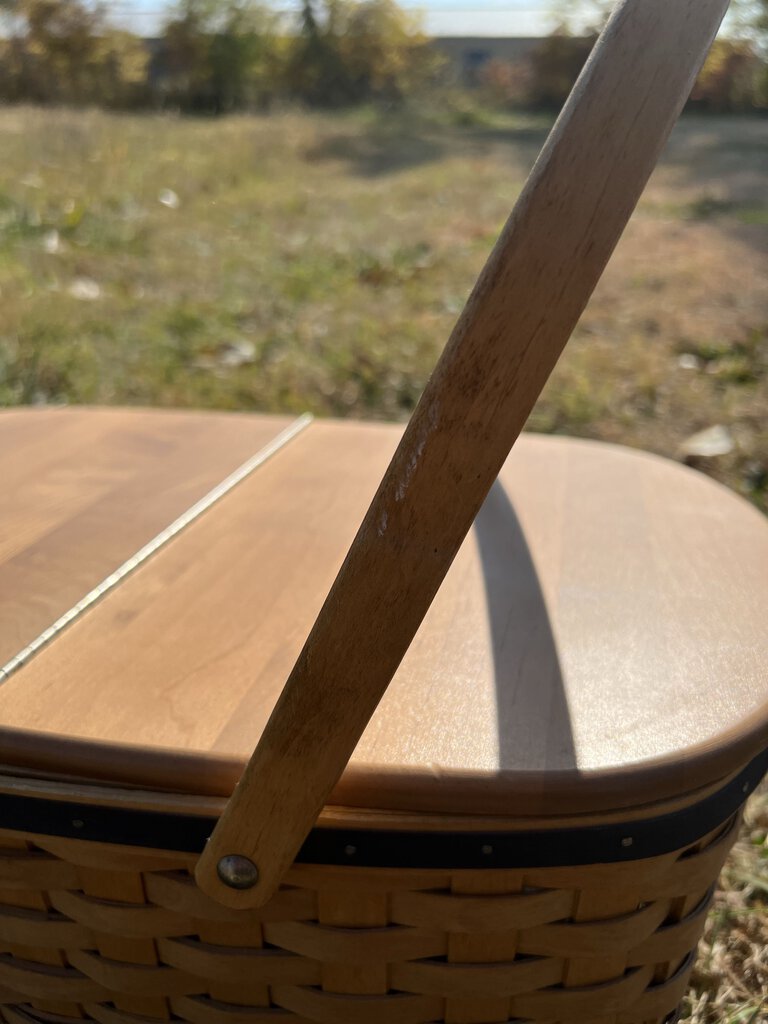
<point>83,490</point>
<point>599,641</point>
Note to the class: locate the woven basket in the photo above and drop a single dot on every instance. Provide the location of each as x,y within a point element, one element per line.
<point>118,934</point>
<point>113,934</point>
<point>584,906</point>
<point>130,894</point>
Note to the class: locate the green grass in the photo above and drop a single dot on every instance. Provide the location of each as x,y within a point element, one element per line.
<point>334,254</point>
<point>319,263</point>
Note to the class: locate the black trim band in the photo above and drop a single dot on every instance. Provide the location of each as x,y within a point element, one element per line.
<point>595,844</point>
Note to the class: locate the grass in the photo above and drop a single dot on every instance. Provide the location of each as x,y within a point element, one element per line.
<point>730,980</point>
<point>320,262</point>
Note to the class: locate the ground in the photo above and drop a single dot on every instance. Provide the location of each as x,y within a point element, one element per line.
<point>301,262</point>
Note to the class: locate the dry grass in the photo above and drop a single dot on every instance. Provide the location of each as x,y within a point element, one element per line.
<point>319,263</point>
<point>730,980</point>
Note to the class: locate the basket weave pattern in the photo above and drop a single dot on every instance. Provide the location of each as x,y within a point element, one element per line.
<point>125,936</point>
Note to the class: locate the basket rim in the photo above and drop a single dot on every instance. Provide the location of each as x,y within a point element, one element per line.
<point>210,774</point>
<point>615,842</point>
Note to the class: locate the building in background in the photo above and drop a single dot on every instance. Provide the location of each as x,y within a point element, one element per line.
<point>468,57</point>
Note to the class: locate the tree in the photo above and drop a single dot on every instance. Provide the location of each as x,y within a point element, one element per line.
<point>65,51</point>
<point>751,18</point>
<point>385,52</point>
<point>748,19</point>
<point>218,55</point>
<point>316,71</point>
<point>580,17</point>
<point>120,74</point>
<point>53,48</point>
<point>730,78</point>
<point>356,50</point>
<point>745,19</point>
<point>555,66</point>
<point>734,76</point>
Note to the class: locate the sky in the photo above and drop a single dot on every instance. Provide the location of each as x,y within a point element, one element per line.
<point>441,17</point>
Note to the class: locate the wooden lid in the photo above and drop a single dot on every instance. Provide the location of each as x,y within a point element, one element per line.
<point>599,642</point>
<point>84,489</point>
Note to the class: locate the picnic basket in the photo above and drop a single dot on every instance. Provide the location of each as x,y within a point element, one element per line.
<point>528,825</point>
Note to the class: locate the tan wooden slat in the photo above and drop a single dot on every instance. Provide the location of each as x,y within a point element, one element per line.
<point>81,490</point>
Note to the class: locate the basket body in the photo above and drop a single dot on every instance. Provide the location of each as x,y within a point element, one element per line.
<point>555,690</point>
<point>114,934</point>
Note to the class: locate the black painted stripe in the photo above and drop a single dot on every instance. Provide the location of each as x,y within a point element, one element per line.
<point>595,844</point>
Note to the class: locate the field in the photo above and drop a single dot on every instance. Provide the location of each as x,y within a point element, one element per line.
<point>319,262</point>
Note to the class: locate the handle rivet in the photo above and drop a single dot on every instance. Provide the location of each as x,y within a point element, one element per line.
<point>237,872</point>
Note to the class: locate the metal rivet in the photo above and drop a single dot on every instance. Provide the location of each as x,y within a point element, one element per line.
<point>627,841</point>
<point>237,872</point>
<point>350,850</point>
<point>78,823</point>
<point>487,850</point>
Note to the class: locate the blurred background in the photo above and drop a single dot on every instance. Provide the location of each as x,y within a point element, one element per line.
<point>283,206</point>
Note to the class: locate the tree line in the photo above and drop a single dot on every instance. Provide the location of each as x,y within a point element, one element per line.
<point>213,55</point>
<point>216,56</point>
<point>734,77</point>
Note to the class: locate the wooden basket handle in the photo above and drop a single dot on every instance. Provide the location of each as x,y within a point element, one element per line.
<point>519,317</point>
